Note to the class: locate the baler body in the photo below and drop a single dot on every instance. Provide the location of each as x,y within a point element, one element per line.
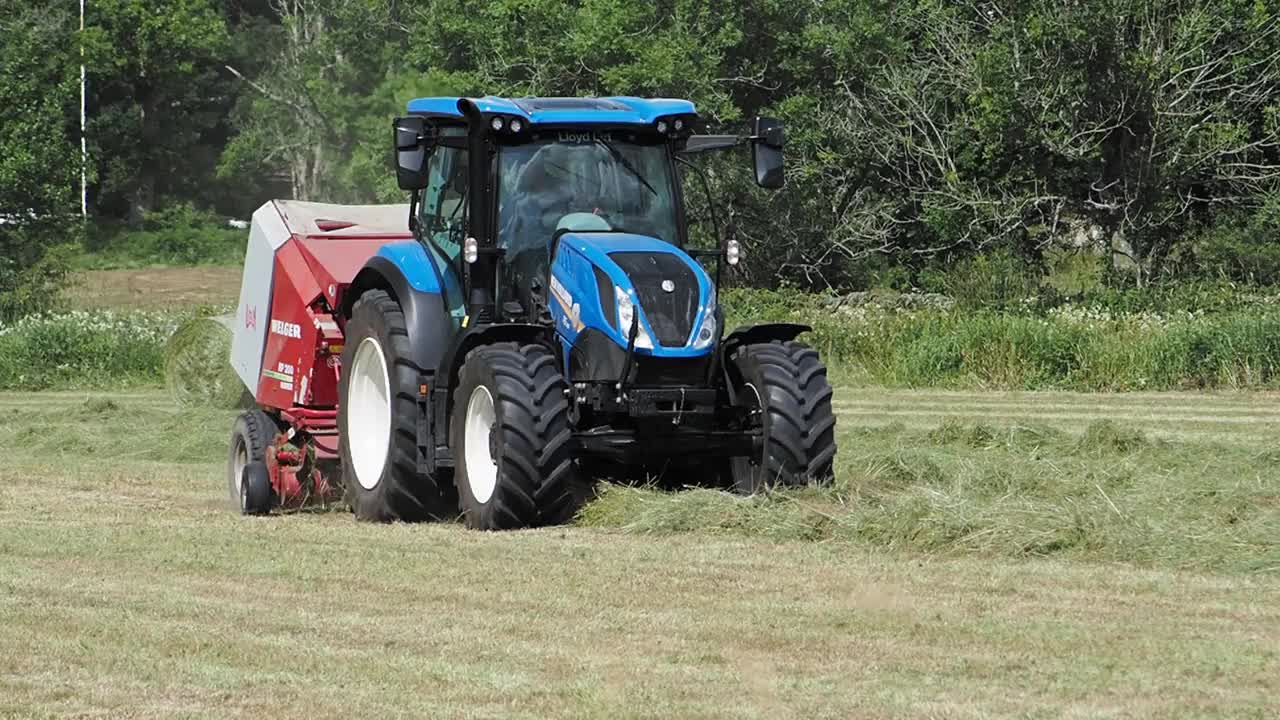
<point>286,345</point>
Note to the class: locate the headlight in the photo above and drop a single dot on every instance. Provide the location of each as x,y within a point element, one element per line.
<point>707,328</point>
<point>626,316</point>
<point>496,123</point>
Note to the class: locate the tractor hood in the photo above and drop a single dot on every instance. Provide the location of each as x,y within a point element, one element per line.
<point>601,280</point>
<point>620,242</point>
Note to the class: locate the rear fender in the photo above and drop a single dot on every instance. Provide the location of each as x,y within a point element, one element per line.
<point>431,329</point>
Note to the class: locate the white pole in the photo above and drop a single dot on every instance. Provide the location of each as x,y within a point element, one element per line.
<point>84,146</point>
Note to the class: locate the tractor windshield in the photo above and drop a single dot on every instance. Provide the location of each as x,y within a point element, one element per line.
<point>583,180</point>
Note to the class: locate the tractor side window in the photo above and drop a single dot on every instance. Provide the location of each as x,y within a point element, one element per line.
<point>443,209</point>
<point>442,214</point>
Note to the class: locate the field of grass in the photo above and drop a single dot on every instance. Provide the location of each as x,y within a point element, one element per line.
<point>128,589</point>
<point>1162,480</point>
<point>154,288</point>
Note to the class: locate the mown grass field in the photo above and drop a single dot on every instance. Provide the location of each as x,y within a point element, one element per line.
<point>128,589</point>
<point>154,288</point>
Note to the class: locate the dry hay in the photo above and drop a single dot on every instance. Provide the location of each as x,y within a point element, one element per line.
<point>197,366</point>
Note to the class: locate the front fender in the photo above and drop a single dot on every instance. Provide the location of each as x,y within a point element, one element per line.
<point>487,334</point>
<point>465,342</point>
<point>758,333</point>
<point>749,335</point>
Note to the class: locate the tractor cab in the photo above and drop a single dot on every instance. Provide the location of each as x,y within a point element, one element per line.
<point>499,184</point>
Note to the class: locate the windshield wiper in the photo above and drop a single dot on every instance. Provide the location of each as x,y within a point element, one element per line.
<point>621,159</point>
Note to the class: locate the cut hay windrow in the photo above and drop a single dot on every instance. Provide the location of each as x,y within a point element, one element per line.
<point>197,366</point>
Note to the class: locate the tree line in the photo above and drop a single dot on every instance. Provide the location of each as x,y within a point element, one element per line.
<point>919,132</point>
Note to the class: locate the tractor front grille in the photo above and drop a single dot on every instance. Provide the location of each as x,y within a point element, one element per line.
<point>670,314</point>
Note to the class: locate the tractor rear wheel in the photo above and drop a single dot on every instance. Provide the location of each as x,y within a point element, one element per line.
<point>511,439</point>
<point>378,419</point>
<point>251,435</point>
<point>784,384</point>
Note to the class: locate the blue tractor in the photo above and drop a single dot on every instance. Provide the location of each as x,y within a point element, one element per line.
<point>549,324</point>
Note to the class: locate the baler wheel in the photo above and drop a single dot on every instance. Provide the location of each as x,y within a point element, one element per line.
<point>251,435</point>
<point>256,497</point>
<point>511,439</point>
<point>378,420</point>
<point>785,384</point>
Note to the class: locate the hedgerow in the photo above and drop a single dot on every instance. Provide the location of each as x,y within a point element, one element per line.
<point>1069,347</point>
<point>884,341</point>
<point>81,349</point>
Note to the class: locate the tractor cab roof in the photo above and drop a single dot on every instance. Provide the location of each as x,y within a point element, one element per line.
<point>561,111</point>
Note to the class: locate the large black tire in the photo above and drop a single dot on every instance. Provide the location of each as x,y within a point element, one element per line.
<point>526,456</point>
<point>392,489</point>
<point>251,435</point>
<point>785,384</point>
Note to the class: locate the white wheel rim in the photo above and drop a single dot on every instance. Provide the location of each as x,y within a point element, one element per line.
<point>482,469</point>
<point>237,470</point>
<point>368,413</point>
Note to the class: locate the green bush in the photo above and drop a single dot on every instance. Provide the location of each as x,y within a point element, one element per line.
<point>996,279</point>
<point>1241,247</point>
<point>1070,347</point>
<point>1190,296</point>
<point>35,287</point>
<point>83,350</point>
<point>1064,348</point>
<point>176,235</point>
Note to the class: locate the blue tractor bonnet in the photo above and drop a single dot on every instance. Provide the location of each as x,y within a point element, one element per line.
<point>593,309</point>
<point>562,111</point>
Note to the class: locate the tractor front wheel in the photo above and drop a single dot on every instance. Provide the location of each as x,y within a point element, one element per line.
<point>785,389</point>
<point>378,419</point>
<point>511,439</point>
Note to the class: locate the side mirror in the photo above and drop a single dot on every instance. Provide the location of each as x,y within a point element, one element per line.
<point>412,138</point>
<point>766,152</point>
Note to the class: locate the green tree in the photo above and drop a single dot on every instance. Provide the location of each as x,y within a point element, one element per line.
<point>920,132</point>
<point>302,112</point>
<point>158,91</point>
<point>39,159</point>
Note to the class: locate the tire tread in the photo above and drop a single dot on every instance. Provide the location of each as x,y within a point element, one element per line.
<point>402,494</point>
<point>800,446</point>
<point>535,486</point>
